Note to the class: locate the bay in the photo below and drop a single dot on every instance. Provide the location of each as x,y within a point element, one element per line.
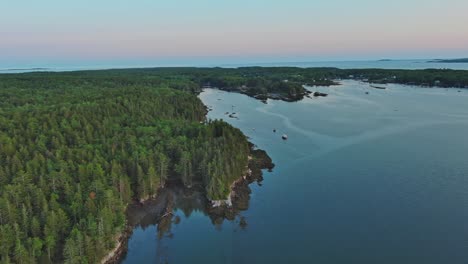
<point>363,178</point>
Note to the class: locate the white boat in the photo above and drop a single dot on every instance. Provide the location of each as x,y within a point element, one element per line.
<point>285,137</point>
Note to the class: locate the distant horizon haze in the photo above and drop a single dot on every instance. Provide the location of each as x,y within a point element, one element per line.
<point>54,32</point>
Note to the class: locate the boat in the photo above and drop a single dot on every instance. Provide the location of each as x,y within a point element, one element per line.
<point>378,87</point>
<point>284,137</point>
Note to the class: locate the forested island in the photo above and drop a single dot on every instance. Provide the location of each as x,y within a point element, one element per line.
<point>78,147</point>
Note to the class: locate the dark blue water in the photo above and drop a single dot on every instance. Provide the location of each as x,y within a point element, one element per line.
<point>377,178</point>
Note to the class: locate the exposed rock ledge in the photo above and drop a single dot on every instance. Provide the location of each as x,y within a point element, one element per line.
<point>161,206</point>
<point>228,201</point>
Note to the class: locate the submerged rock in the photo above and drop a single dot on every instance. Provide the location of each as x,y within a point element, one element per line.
<point>242,222</point>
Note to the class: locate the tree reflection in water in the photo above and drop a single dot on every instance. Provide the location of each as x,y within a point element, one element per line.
<point>174,197</point>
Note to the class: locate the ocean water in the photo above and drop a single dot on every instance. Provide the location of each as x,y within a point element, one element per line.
<point>363,178</point>
<point>363,64</point>
<point>369,64</point>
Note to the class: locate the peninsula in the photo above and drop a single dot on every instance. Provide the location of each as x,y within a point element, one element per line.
<point>79,147</point>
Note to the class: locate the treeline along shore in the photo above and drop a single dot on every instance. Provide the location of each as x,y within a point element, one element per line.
<point>282,83</point>
<point>76,148</point>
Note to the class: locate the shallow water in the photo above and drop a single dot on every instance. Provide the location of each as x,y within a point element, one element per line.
<point>363,178</point>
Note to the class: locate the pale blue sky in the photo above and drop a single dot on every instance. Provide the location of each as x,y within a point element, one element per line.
<point>113,31</point>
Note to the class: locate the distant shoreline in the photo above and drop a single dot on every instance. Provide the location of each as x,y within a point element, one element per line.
<point>462,60</point>
<point>404,64</point>
<point>24,69</point>
<point>263,83</point>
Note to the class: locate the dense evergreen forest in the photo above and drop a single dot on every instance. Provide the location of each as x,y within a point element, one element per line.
<point>75,151</point>
<point>284,83</point>
<point>429,78</point>
<point>77,147</point>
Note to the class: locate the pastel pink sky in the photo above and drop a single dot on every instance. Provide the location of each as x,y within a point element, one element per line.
<point>109,30</point>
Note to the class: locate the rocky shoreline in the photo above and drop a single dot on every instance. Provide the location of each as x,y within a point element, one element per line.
<point>136,212</point>
<point>283,96</point>
<point>240,190</point>
<point>159,210</point>
<point>286,97</point>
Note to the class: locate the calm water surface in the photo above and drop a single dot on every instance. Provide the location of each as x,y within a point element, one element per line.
<point>363,64</point>
<point>377,178</point>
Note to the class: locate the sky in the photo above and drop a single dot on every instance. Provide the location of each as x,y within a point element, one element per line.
<point>59,32</point>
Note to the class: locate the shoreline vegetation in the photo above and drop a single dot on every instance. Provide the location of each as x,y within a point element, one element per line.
<point>158,210</point>
<point>79,148</point>
<point>262,83</point>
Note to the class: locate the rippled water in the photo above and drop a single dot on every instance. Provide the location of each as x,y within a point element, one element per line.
<point>364,178</point>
